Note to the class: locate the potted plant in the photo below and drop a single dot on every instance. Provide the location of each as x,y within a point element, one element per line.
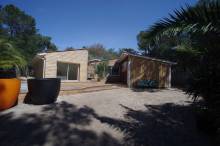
<point>10,61</point>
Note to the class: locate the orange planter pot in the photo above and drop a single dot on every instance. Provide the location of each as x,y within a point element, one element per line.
<point>9,91</point>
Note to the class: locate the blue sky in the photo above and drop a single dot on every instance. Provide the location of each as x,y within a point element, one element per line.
<point>113,23</point>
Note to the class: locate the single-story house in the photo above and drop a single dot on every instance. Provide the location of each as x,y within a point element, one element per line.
<point>67,65</point>
<point>135,70</point>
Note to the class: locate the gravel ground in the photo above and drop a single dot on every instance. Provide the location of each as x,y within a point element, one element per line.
<point>106,118</point>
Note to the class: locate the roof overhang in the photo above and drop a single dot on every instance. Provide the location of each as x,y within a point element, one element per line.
<point>126,54</point>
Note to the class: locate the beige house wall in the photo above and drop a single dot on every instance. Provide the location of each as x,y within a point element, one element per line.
<point>77,57</point>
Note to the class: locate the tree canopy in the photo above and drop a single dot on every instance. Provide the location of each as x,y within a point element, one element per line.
<point>98,51</point>
<point>201,2</point>
<point>128,50</point>
<point>20,28</point>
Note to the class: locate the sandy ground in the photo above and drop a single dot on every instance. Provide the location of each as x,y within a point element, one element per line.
<point>105,118</point>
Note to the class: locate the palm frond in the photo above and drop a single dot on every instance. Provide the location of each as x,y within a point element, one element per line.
<point>192,19</point>
<point>9,56</point>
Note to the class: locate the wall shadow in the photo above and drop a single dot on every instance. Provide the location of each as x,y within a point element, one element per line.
<point>56,124</point>
<point>158,125</point>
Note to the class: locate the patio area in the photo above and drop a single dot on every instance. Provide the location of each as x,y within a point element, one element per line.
<point>117,117</point>
<point>71,87</point>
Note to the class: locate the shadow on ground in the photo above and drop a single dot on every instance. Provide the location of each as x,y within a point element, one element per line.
<point>56,125</point>
<point>151,90</point>
<point>158,125</point>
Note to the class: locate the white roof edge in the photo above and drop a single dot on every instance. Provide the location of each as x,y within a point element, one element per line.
<point>42,54</point>
<point>95,60</point>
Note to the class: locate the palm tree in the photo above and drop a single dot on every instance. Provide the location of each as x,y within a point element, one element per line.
<point>10,58</point>
<point>201,24</point>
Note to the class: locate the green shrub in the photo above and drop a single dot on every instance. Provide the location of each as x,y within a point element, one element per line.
<point>101,70</point>
<point>10,58</point>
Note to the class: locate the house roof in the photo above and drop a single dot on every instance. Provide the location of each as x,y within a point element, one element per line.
<point>42,55</point>
<point>126,54</point>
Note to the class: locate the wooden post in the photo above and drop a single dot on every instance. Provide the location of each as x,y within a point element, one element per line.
<point>67,77</point>
<point>78,73</point>
<point>169,86</point>
<point>129,73</point>
<point>44,67</point>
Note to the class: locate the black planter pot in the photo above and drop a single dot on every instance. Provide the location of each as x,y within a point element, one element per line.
<point>7,74</point>
<point>42,91</point>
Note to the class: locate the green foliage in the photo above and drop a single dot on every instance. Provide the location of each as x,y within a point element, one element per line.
<point>144,43</point>
<point>201,23</point>
<point>197,48</point>
<point>9,56</point>
<point>186,57</point>
<point>191,20</point>
<point>102,69</point>
<point>16,22</point>
<point>98,51</point>
<point>128,50</point>
<point>20,29</point>
<point>70,49</point>
<point>201,2</point>
<point>31,45</point>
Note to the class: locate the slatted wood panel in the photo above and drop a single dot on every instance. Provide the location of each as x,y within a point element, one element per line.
<point>143,69</point>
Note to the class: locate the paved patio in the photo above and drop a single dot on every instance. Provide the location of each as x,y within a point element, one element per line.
<point>106,118</point>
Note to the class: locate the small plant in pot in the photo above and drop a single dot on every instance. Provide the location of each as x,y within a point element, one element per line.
<point>10,61</point>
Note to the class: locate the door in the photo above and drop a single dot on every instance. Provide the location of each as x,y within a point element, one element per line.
<point>62,70</point>
<point>67,71</point>
<point>73,72</point>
